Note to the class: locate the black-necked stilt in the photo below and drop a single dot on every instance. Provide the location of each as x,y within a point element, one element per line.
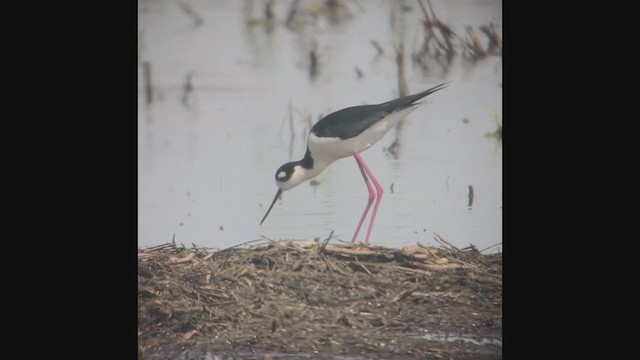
<point>348,132</point>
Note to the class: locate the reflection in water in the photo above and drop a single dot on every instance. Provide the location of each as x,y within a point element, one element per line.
<point>291,131</point>
<point>379,48</point>
<point>394,149</point>
<point>497,134</point>
<point>313,60</point>
<point>403,88</point>
<point>187,91</point>
<point>442,44</point>
<point>148,85</point>
<point>190,12</point>
<point>359,73</point>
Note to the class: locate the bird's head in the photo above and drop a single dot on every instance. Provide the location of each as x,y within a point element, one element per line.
<point>288,175</point>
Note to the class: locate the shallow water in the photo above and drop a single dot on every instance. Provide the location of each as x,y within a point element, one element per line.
<point>491,346</point>
<point>206,169</point>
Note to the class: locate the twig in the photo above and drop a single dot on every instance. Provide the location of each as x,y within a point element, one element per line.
<point>289,106</point>
<point>291,131</point>
<point>403,88</point>
<point>364,267</point>
<point>197,20</point>
<point>268,10</point>
<point>470,248</point>
<point>326,241</point>
<point>313,62</point>
<point>410,270</point>
<point>324,258</point>
<point>248,12</point>
<point>444,242</point>
<point>159,247</point>
<point>378,47</point>
<point>187,89</point>
<point>146,67</point>
<point>292,12</point>
<point>432,23</point>
<point>489,247</point>
<point>476,48</point>
<point>245,243</point>
<point>495,45</point>
<point>424,11</point>
<point>404,294</point>
<point>393,148</point>
<point>432,12</point>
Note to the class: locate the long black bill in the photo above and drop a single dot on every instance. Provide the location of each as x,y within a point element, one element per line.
<point>270,207</point>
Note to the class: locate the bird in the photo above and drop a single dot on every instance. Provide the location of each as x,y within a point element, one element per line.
<point>344,133</point>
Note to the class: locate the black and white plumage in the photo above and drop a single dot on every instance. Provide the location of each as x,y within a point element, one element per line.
<point>348,132</point>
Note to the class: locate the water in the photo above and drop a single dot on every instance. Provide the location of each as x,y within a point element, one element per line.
<point>485,345</point>
<point>206,170</point>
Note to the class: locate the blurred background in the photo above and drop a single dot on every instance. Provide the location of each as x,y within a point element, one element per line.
<point>228,90</point>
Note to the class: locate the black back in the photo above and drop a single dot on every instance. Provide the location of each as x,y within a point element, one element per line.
<point>352,121</point>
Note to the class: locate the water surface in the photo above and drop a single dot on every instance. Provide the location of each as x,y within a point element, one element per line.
<point>207,165</point>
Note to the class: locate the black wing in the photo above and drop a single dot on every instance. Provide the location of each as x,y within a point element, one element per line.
<point>352,121</point>
<point>349,122</point>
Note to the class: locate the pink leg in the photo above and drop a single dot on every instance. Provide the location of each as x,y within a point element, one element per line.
<point>365,169</point>
<point>371,197</point>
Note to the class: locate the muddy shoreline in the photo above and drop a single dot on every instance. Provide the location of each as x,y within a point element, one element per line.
<point>311,299</point>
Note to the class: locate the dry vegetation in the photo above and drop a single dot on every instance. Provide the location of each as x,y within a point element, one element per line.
<point>314,299</point>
